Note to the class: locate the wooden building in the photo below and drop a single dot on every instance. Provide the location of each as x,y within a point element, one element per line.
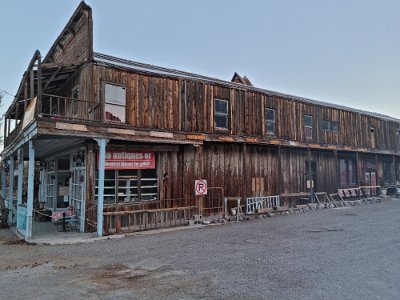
<point>123,142</point>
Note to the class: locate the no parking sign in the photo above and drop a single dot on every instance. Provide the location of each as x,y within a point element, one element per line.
<point>200,187</point>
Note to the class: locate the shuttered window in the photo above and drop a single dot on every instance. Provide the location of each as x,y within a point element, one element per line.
<point>270,120</point>
<point>221,114</point>
<point>115,102</point>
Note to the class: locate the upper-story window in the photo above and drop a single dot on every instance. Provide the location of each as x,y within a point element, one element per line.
<point>114,103</point>
<point>270,120</point>
<point>308,127</point>
<point>398,140</point>
<point>332,126</point>
<point>221,113</point>
<point>373,139</point>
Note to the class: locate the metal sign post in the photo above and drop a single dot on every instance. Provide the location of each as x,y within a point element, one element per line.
<point>200,187</point>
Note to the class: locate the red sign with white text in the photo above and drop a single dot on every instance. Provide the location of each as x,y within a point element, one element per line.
<point>128,160</point>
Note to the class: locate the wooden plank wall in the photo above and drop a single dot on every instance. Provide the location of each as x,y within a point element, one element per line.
<point>159,102</point>
<point>75,44</point>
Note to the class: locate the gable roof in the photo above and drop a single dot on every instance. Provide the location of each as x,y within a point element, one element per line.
<point>239,79</point>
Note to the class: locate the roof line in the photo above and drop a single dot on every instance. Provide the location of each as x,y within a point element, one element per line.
<point>129,64</point>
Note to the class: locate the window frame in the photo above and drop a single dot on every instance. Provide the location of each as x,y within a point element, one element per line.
<point>372,132</point>
<point>221,114</point>
<point>268,121</point>
<point>308,127</point>
<point>330,125</point>
<point>115,186</point>
<point>105,102</point>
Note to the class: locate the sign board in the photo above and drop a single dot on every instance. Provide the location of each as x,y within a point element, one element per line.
<point>128,160</point>
<point>200,187</point>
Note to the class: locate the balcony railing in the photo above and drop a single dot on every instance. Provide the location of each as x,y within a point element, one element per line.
<point>64,108</point>
<point>55,107</point>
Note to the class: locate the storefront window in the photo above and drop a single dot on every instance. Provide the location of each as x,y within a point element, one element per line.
<point>129,186</point>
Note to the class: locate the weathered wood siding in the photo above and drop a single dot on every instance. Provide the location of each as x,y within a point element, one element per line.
<point>75,43</point>
<point>173,104</point>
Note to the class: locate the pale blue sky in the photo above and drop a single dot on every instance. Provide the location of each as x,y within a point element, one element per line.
<point>344,52</point>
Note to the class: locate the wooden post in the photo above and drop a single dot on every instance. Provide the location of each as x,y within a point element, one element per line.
<point>3,182</point>
<point>25,95</point>
<point>31,182</point>
<point>100,195</point>
<point>32,83</point>
<point>8,126</point>
<point>337,169</point>
<point>90,182</point>
<point>11,190</point>
<point>358,168</point>
<point>377,173</point>
<point>280,178</point>
<point>20,176</point>
<point>5,126</point>
<point>16,113</point>
<point>310,177</point>
<point>39,85</point>
<point>244,173</point>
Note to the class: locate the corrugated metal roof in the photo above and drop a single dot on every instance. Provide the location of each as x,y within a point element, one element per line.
<point>151,69</point>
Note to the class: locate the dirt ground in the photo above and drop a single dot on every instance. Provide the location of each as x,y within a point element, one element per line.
<point>347,253</point>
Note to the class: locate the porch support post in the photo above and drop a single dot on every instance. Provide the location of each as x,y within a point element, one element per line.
<point>310,175</point>
<point>100,196</point>
<point>31,181</point>
<point>11,191</point>
<point>3,182</point>
<point>358,168</point>
<point>20,176</point>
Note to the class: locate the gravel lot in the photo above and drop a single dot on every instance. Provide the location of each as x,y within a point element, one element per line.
<point>348,253</point>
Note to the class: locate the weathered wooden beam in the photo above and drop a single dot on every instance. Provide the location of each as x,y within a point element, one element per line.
<point>280,178</point>
<point>32,83</point>
<point>358,168</point>
<point>25,94</point>
<point>50,80</point>
<point>310,176</point>
<point>335,154</point>
<point>244,172</point>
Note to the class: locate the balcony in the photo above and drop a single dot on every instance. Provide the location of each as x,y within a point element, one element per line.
<point>51,107</point>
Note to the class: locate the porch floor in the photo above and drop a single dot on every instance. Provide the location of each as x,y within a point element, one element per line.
<point>49,233</point>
